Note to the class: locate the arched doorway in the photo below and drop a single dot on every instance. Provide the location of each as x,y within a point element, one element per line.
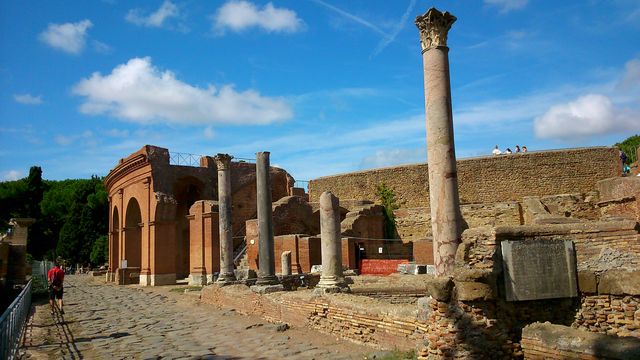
<point>115,240</point>
<point>133,234</point>
<point>186,190</point>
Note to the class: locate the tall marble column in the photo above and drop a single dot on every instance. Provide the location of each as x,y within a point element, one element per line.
<point>266,257</point>
<point>223,164</point>
<point>331,278</point>
<point>443,176</point>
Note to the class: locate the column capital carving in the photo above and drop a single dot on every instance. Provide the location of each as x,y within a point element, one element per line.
<point>223,161</point>
<point>434,27</point>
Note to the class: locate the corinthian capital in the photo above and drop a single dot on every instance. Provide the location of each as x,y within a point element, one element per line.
<point>434,27</point>
<point>223,161</point>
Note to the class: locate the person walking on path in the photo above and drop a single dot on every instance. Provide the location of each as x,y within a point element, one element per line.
<point>55,276</point>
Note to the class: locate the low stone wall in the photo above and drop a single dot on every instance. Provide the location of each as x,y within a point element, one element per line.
<point>548,341</point>
<point>358,318</point>
<point>484,180</point>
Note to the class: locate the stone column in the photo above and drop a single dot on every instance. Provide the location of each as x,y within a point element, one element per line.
<point>331,279</point>
<point>443,178</point>
<point>285,262</point>
<point>266,261</point>
<point>223,164</point>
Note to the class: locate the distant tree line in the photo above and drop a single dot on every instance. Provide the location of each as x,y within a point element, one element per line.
<point>71,216</point>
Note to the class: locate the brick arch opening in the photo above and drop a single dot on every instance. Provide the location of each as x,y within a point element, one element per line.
<point>187,190</point>
<point>115,238</point>
<point>133,234</point>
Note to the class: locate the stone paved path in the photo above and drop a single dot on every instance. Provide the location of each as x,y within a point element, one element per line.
<point>105,321</point>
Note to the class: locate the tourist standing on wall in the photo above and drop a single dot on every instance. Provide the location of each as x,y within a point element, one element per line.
<point>496,151</point>
<point>55,276</point>
<point>524,149</point>
<point>517,149</point>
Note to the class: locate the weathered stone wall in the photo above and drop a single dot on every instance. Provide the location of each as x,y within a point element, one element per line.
<point>484,180</point>
<point>415,223</point>
<point>541,341</point>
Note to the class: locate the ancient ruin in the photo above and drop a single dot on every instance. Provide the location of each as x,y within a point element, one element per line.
<point>478,267</point>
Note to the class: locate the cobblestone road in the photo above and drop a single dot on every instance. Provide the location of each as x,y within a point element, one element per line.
<point>105,321</point>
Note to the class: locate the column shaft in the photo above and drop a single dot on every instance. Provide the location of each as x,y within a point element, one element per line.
<point>223,163</point>
<point>443,179</point>
<point>266,261</point>
<point>331,243</point>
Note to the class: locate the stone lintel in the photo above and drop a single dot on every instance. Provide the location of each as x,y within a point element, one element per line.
<point>434,27</point>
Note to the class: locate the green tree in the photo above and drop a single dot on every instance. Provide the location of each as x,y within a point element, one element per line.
<point>388,200</point>
<point>100,250</point>
<point>630,146</point>
<point>87,220</point>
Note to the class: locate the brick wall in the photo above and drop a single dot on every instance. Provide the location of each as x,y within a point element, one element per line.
<point>484,180</point>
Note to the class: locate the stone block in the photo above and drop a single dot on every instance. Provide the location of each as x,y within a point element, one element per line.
<point>587,282</point>
<point>440,288</point>
<point>266,289</point>
<point>316,269</point>
<point>619,282</point>
<point>472,291</point>
<point>580,344</point>
<point>539,269</point>
<point>243,274</point>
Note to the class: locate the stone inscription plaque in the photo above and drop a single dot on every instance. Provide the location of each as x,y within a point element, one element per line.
<point>539,269</point>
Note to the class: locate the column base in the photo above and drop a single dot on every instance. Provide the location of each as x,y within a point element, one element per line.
<point>225,278</point>
<point>267,280</point>
<point>331,284</point>
<point>157,279</point>
<point>197,279</point>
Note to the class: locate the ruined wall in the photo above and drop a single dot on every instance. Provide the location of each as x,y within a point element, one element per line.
<point>484,180</point>
<point>548,341</point>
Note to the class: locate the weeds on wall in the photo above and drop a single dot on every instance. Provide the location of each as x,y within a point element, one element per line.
<point>388,200</point>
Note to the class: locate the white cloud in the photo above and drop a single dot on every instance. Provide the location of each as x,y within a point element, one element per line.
<point>631,77</point>
<point>241,15</point>
<point>399,26</point>
<point>589,115</point>
<point>208,132</point>
<point>156,19</point>
<point>506,6</point>
<point>27,99</point>
<point>391,157</point>
<point>101,47</point>
<point>11,175</point>
<point>68,37</point>
<point>139,92</point>
<point>86,137</point>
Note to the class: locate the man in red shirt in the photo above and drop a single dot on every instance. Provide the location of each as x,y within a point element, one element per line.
<point>56,288</point>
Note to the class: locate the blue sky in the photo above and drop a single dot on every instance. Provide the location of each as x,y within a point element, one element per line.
<point>326,86</point>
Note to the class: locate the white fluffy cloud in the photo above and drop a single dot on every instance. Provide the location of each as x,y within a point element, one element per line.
<point>587,116</point>
<point>139,92</point>
<point>68,37</point>
<point>156,19</point>
<point>27,99</point>
<point>240,15</point>
<point>11,175</point>
<point>507,5</point>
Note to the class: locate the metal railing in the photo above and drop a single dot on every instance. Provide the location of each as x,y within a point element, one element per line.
<point>39,270</point>
<point>184,159</point>
<point>12,323</point>
<point>302,184</point>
